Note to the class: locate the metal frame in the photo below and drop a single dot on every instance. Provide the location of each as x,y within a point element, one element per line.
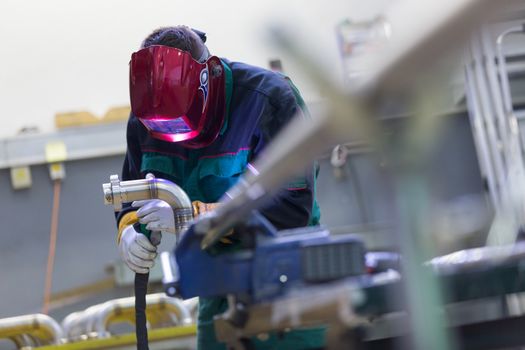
<point>496,130</point>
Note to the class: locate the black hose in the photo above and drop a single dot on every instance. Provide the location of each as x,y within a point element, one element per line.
<point>141,331</point>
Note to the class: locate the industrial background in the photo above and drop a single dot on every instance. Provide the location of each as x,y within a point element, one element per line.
<point>63,59</point>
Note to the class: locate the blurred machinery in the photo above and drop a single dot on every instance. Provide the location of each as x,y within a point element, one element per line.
<point>496,124</point>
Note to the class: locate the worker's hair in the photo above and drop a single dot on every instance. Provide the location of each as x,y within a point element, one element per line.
<point>179,37</point>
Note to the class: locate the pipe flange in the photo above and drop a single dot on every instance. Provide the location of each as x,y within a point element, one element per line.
<point>152,185</point>
<point>116,192</point>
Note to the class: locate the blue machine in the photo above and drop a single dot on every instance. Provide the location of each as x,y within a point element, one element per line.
<point>265,263</point>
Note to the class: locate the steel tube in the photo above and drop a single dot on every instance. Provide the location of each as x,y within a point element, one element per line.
<point>118,192</point>
<point>117,310</point>
<point>95,321</point>
<point>39,327</point>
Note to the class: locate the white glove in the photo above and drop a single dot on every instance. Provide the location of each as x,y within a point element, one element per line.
<point>137,251</point>
<point>156,214</point>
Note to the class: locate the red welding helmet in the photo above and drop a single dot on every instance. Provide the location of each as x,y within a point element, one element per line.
<point>177,98</point>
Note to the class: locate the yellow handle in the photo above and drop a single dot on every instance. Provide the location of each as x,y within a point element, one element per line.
<point>128,219</point>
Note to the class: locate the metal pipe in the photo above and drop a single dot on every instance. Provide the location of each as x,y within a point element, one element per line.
<point>39,327</point>
<point>24,341</point>
<point>502,66</point>
<point>95,321</point>
<point>479,135</point>
<point>192,305</point>
<point>487,115</point>
<point>493,85</point>
<point>77,325</point>
<point>72,326</point>
<point>123,309</point>
<point>117,192</point>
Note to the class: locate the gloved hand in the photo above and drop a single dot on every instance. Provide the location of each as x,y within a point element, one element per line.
<point>136,249</point>
<point>156,214</point>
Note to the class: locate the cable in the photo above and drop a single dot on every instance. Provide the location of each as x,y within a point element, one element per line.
<point>141,330</point>
<point>52,245</point>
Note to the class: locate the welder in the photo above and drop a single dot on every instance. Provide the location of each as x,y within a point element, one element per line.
<point>199,120</point>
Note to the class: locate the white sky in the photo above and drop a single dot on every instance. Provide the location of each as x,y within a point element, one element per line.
<point>68,55</point>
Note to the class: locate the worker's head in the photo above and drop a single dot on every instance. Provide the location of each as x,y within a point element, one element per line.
<point>182,38</point>
<point>177,89</point>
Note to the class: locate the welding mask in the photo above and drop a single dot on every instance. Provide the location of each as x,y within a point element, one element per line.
<point>177,98</point>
